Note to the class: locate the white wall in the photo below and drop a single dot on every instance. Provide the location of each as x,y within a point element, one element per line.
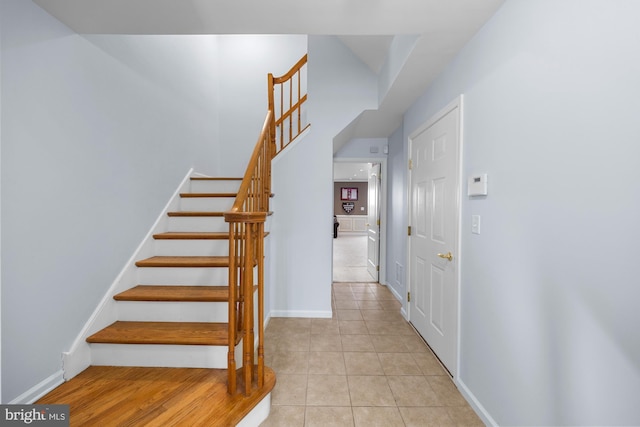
<point>245,61</point>
<point>340,87</point>
<point>361,148</point>
<point>550,288</point>
<point>396,216</point>
<point>93,145</point>
<point>97,132</point>
<point>0,215</point>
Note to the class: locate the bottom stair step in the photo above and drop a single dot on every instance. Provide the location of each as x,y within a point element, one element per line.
<point>172,333</point>
<point>139,396</point>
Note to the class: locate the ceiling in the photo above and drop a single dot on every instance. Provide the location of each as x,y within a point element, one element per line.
<point>367,27</point>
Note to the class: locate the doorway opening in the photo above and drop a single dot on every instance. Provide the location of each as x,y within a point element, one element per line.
<point>358,235</point>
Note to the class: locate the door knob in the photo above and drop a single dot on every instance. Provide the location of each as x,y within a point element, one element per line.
<point>446,256</point>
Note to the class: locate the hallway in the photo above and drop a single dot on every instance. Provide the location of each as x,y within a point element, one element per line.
<point>364,367</point>
<point>350,258</point>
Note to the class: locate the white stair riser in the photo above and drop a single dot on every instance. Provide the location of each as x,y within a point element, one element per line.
<point>214,186</point>
<point>214,276</point>
<point>206,204</point>
<point>176,247</point>
<point>170,356</point>
<point>211,224</point>
<point>173,311</point>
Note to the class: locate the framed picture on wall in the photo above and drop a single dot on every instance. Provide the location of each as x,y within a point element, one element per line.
<point>348,193</point>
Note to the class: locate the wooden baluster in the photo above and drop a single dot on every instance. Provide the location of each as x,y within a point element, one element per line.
<point>247,365</point>
<point>260,258</point>
<point>231,357</point>
<point>240,267</point>
<point>299,107</point>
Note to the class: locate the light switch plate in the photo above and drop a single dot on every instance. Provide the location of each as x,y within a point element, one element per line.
<point>475,224</point>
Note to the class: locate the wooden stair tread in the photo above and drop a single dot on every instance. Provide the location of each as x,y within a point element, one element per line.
<point>194,195</point>
<point>167,333</point>
<point>214,178</point>
<point>195,213</point>
<point>175,293</point>
<point>184,261</point>
<point>155,396</point>
<point>192,235</point>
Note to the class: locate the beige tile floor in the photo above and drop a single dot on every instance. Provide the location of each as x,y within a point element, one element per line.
<point>364,367</point>
<point>350,258</point>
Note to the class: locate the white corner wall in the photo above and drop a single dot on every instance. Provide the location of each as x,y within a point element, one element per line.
<point>340,87</point>
<point>549,290</point>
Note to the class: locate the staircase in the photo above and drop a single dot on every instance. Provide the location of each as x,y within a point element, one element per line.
<point>198,300</point>
<point>177,315</point>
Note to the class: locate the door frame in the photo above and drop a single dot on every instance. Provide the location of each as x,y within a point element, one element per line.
<point>459,104</point>
<point>382,255</point>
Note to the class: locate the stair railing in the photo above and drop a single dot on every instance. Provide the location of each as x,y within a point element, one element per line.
<point>290,115</point>
<point>246,225</point>
<point>246,261</point>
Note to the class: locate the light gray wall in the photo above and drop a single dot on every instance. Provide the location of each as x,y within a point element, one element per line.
<point>399,50</point>
<point>94,144</point>
<point>396,215</point>
<point>0,213</point>
<point>97,132</point>
<point>245,61</point>
<point>340,87</point>
<point>359,148</point>
<point>549,290</point>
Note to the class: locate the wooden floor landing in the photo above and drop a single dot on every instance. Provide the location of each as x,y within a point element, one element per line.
<point>132,396</point>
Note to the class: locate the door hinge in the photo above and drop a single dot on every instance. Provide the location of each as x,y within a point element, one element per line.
<point>377,268</point>
<point>378,223</point>
<point>409,231</point>
<point>410,164</point>
<point>408,296</point>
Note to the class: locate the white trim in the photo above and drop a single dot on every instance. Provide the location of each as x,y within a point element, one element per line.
<point>475,403</point>
<point>258,414</point>
<point>397,296</point>
<point>78,358</point>
<point>39,390</point>
<point>460,102</point>
<point>301,313</point>
<point>457,103</point>
<point>393,291</point>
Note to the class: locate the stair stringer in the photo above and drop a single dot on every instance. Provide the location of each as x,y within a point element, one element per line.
<point>78,358</point>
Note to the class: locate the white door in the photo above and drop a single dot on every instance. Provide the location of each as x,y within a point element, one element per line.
<point>433,244</point>
<point>373,222</point>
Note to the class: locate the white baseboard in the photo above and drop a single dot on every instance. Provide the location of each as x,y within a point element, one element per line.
<point>39,390</point>
<point>484,415</point>
<point>302,313</point>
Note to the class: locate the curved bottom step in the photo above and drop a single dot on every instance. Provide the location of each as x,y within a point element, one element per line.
<point>110,395</point>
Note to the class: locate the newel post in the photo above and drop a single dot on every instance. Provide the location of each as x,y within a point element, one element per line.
<point>246,272</point>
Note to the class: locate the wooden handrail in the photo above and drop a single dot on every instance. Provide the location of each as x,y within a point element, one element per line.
<point>288,113</point>
<point>246,229</point>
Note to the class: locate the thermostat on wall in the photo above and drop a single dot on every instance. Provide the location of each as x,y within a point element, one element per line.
<point>477,185</point>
